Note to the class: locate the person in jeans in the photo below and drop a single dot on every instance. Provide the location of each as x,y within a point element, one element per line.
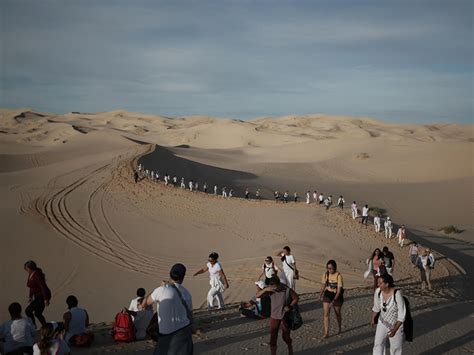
<point>279,307</point>
<point>413,253</point>
<point>18,332</point>
<point>39,295</point>
<point>423,263</point>
<point>174,308</point>
<point>389,305</point>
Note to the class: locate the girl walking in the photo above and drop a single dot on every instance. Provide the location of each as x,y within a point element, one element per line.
<point>39,295</point>
<point>269,269</point>
<point>331,295</point>
<point>289,267</point>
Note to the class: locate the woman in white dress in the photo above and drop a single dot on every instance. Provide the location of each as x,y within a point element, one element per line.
<point>290,272</point>
<point>218,281</point>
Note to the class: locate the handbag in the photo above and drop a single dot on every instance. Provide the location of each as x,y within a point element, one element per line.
<point>293,316</point>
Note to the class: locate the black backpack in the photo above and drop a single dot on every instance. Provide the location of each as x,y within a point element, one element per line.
<point>408,323</point>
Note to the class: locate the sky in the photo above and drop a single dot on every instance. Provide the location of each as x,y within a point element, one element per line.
<point>401,61</point>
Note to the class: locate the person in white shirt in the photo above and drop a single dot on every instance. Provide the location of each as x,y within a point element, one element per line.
<point>224,191</point>
<point>231,193</point>
<point>401,234</point>
<point>321,198</point>
<point>285,197</point>
<point>134,303</point>
<point>290,272</point>
<point>365,215</point>
<point>174,308</point>
<point>183,186</point>
<point>269,269</point>
<point>315,196</point>
<point>190,185</point>
<point>377,223</point>
<point>76,321</point>
<point>390,306</point>
<point>215,189</point>
<point>341,202</point>
<point>50,344</point>
<point>308,197</point>
<point>257,194</point>
<point>388,228</point>
<point>18,332</point>
<point>218,281</point>
<point>295,196</point>
<point>354,210</point>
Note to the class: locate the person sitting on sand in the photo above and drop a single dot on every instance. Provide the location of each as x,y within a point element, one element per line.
<point>76,321</point>
<point>175,314</point>
<point>218,281</point>
<point>388,228</point>
<point>332,295</point>
<point>18,333</point>
<point>269,269</point>
<point>50,343</point>
<point>354,212</point>
<point>141,318</point>
<point>341,202</point>
<point>282,299</point>
<point>256,307</point>
<point>135,302</point>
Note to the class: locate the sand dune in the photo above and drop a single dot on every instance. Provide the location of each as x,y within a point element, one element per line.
<point>68,201</point>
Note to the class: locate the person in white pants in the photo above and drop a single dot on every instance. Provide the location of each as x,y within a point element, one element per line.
<point>315,196</point>
<point>224,191</point>
<point>354,210</point>
<point>390,306</point>
<point>401,234</point>
<point>191,185</point>
<point>215,189</point>
<point>388,227</point>
<point>290,272</point>
<point>377,224</point>
<point>308,198</point>
<point>218,281</point>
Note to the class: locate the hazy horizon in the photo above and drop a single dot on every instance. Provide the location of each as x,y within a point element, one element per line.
<point>397,61</point>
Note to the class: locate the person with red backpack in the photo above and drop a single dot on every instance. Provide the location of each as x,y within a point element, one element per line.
<point>175,314</point>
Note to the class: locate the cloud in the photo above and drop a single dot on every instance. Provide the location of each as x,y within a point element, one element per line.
<point>240,59</point>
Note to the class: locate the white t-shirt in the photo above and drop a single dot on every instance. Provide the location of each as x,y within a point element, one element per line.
<point>142,320</point>
<point>376,220</point>
<point>17,333</point>
<point>214,270</point>
<point>57,347</point>
<point>269,270</point>
<point>290,259</point>
<point>172,315</point>
<point>365,211</point>
<point>134,304</point>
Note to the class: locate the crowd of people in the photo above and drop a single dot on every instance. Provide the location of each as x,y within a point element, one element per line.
<point>275,297</point>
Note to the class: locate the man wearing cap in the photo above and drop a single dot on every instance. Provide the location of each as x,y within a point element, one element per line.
<point>174,308</point>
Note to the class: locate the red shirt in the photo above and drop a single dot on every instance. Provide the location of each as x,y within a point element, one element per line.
<point>37,284</point>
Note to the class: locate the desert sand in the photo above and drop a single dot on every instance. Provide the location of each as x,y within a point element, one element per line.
<point>69,203</point>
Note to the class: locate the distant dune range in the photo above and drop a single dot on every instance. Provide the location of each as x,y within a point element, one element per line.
<point>68,200</point>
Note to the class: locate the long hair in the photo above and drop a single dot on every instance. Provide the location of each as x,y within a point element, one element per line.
<point>47,333</point>
<point>373,254</point>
